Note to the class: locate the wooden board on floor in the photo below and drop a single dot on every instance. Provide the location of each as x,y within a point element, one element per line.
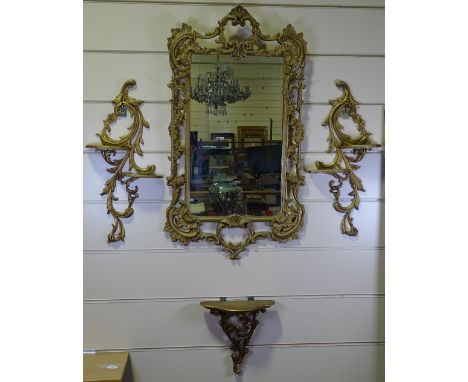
<point>104,367</point>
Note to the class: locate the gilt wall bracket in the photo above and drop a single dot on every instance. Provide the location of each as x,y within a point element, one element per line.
<point>120,154</point>
<point>348,151</point>
<point>238,319</point>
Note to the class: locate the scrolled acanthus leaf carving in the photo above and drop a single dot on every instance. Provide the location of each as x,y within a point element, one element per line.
<point>239,333</point>
<point>348,151</point>
<point>124,168</point>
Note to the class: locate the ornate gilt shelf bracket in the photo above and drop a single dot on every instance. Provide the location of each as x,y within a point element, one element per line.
<point>348,152</point>
<point>124,169</point>
<point>238,321</point>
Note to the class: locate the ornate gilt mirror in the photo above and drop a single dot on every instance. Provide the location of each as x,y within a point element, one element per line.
<point>235,133</point>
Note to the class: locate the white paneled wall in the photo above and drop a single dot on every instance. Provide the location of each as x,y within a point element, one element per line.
<point>143,295</point>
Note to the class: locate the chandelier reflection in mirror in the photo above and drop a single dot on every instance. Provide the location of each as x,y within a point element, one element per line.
<point>216,89</point>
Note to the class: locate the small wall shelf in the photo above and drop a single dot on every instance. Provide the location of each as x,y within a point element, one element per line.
<point>127,146</point>
<point>238,321</point>
<point>348,152</point>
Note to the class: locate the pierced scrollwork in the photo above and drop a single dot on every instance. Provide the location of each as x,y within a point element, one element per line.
<point>124,168</point>
<point>238,319</point>
<point>181,224</point>
<point>239,333</point>
<point>348,152</point>
<point>235,221</point>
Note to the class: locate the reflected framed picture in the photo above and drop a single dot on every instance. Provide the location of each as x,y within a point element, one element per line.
<point>250,136</point>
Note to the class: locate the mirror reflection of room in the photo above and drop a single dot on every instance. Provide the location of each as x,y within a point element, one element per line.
<point>236,133</point>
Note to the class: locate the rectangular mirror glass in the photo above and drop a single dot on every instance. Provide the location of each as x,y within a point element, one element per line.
<point>236,118</point>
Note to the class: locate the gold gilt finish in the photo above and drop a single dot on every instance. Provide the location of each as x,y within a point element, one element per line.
<point>348,152</point>
<point>238,321</point>
<point>181,224</point>
<point>238,306</point>
<point>124,169</point>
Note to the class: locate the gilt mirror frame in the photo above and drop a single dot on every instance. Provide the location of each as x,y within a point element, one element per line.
<point>181,224</point>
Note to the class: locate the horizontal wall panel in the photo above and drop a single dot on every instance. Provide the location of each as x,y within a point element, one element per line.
<point>286,271</point>
<point>104,74</point>
<point>158,116</point>
<point>187,323</point>
<point>321,228</point>
<point>363,363</point>
<point>147,26</point>
<point>327,3</point>
<point>316,186</point>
